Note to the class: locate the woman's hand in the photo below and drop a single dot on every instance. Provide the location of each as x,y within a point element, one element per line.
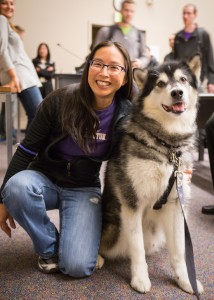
<point>210,88</point>
<point>188,172</point>
<point>50,69</point>
<point>4,216</point>
<point>14,81</point>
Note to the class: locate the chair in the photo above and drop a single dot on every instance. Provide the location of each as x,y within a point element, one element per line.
<point>62,80</point>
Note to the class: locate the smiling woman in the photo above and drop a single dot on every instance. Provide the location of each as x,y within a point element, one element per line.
<point>73,132</point>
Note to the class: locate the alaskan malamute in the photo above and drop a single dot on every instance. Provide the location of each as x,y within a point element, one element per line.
<point>159,131</point>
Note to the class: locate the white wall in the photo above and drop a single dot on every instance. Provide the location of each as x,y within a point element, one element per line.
<point>68,22</point>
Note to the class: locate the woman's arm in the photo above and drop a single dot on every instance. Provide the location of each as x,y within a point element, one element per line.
<point>37,137</point>
<point>5,60</point>
<point>14,80</point>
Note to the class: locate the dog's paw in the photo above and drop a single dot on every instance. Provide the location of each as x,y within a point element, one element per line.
<point>100,262</point>
<point>186,286</point>
<point>141,285</point>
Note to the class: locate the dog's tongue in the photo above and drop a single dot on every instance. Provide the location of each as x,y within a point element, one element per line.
<point>178,107</point>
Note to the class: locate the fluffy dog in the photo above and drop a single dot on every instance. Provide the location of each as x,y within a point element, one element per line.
<point>159,130</point>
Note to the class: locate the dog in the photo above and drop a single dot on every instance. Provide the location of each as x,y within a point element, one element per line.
<point>161,127</point>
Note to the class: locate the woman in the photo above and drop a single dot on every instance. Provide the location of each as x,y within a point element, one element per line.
<point>45,68</point>
<point>58,163</point>
<point>16,69</point>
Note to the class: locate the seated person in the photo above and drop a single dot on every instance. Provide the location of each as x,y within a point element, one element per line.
<point>209,209</point>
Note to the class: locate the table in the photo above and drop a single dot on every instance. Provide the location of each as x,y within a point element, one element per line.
<point>9,96</point>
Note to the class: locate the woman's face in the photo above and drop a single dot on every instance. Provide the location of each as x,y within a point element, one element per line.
<point>43,51</point>
<point>103,84</point>
<point>7,8</point>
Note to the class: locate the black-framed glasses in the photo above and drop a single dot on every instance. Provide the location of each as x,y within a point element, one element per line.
<point>111,69</point>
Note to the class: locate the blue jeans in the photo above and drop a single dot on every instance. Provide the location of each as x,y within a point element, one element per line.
<point>30,99</point>
<point>29,194</point>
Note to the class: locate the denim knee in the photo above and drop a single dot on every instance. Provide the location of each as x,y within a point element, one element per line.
<point>77,267</point>
<point>12,192</point>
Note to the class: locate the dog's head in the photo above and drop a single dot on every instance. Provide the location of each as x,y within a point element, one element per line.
<point>169,93</point>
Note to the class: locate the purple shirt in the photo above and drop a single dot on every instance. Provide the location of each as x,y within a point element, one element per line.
<point>187,35</point>
<point>67,148</point>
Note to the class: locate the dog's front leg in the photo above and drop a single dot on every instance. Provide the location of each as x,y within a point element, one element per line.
<point>175,238</point>
<point>133,233</point>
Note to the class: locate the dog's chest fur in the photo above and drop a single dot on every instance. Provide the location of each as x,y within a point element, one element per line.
<point>144,164</point>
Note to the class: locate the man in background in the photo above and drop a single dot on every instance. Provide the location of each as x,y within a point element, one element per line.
<point>193,39</point>
<point>171,55</point>
<point>128,35</point>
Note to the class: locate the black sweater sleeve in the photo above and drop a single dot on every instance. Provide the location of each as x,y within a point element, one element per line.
<point>37,137</point>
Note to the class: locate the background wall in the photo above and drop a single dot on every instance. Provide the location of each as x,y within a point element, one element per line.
<point>68,22</point>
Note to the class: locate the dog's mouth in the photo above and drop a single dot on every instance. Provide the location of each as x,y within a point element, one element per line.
<point>177,108</point>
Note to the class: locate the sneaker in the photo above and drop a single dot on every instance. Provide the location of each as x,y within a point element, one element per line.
<point>49,265</point>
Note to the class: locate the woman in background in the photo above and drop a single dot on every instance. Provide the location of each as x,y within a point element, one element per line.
<point>16,68</point>
<point>45,68</point>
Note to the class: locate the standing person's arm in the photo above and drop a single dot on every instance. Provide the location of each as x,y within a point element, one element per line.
<point>14,80</point>
<point>5,60</point>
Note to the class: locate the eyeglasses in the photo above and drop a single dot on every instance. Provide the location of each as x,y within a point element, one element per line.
<point>111,69</point>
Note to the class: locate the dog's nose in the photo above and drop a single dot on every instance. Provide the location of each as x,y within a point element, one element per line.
<point>177,93</point>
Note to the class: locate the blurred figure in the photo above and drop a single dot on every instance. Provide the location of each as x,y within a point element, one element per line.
<point>128,35</point>
<point>16,68</point>
<point>193,39</point>
<point>209,209</point>
<point>171,55</point>
<point>153,60</point>
<point>45,68</point>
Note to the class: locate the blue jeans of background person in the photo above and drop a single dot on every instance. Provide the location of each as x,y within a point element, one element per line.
<point>30,99</point>
<point>29,194</point>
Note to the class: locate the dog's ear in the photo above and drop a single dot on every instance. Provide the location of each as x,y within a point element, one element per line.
<point>140,77</point>
<point>195,66</point>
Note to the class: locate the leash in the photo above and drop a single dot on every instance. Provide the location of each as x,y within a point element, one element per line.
<point>188,242</point>
<point>177,176</point>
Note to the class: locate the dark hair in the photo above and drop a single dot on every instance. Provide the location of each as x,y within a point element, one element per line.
<point>38,49</point>
<point>77,116</point>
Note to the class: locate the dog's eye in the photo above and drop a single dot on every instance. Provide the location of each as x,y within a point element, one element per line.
<point>183,79</point>
<point>161,84</point>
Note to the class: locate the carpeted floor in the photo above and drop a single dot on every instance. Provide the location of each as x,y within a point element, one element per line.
<point>20,279</point>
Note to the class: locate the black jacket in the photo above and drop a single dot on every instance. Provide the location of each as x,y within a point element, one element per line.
<point>45,76</point>
<point>36,150</point>
<point>199,42</point>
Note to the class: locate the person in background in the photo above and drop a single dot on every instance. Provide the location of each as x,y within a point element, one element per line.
<point>58,163</point>
<point>16,68</point>
<point>153,61</point>
<point>21,32</point>
<point>45,68</point>
<point>128,35</point>
<point>193,39</point>
<point>209,209</point>
<point>171,55</point>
